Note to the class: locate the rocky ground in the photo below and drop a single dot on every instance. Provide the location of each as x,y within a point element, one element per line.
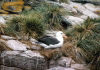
<point>19,55</point>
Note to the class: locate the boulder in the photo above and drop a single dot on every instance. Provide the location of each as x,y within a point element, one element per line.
<point>8,68</point>
<point>28,60</point>
<point>16,45</point>
<point>5,37</point>
<point>2,20</point>
<point>79,66</point>
<point>60,68</point>
<point>84,10</point>
<point>90,7</point>
<point>74,20</point>
<point>64,61</point>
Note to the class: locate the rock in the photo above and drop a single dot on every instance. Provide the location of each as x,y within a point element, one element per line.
<point>3,12</point>
<point>83,10</point>
<point>79,67</point>
<point>64,61</point>
<point>14,7</point>
<point>90,14</point>
<point>33,47</point>
<point>2,20</point>
<point>28,60</point>
<point>69,8</point>
<point>16,45</point>
<point>60,68</point>
<point>7,37</point>
<point>74,20</point>
<point>83,17</point>
<point>8,68</point>
<point>90,7</point>
<point>33,41</point>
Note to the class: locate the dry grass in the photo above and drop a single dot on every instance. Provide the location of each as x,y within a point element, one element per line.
<point>66,50</point>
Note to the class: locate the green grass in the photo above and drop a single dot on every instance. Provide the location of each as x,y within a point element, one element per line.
<point>87,36</point>
<point>22,25</point>
<point>51,15</point>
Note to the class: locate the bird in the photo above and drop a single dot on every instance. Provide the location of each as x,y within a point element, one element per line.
<point>52,42</point>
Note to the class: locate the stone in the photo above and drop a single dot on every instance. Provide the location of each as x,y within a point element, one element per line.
<point>64,61</point>
<point>33,47</point>
<point>7,37</point>
<point>90,14</point>
<point>2,20</point>
<point>16,45</point>
<point>26,60</point>
<point>33,41</point>
<point>90,7</point>
<point>8,68</point>
<point>60,68</point>
<point>79,66</point>
<point>83,10</point>
<point>74,20</point>
<point>83,17</point>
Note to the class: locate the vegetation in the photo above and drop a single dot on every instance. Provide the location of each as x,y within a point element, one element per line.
<point>87,36</point>
<point>25,25</point>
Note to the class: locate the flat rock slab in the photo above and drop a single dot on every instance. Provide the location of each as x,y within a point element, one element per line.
<point>27,60</point>
<point>16,45</point>
<point>8,68</point>
<point>60,68</point>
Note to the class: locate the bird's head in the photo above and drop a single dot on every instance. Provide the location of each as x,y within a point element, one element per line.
<point>61,34</point>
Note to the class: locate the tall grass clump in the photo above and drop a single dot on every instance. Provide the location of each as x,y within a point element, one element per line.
<point>26,25</point>
<point>87,36</point>
<point>52,15</point>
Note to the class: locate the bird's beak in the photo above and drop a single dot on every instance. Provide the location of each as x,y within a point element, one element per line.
<point>64,36</point>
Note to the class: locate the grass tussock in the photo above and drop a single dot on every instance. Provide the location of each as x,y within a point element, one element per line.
<point>25,26</point>
<point>87,37</point>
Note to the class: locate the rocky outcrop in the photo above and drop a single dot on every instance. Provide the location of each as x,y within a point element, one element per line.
<point>2,21</point>
<point>96,2</point>
<point>20,60</point>
<point>66,63</point>
<point>13,45</point>
<point>8,68</point>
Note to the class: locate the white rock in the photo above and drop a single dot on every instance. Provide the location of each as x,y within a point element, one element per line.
<point>74,20</point>
<point>2,20</point>
<point>16,45</point>
<point>83,17</point>
<point>33,47</point>
<point>31,54</point>
<point>90,14</point>
<point>5,53</point>
<point>33,41</point>
<point>90,7</point>
<point>65,62</point>
<point>68,7</point>
<point>7,37</point>
<point>60,68</point>
<point>85,11</point>
<point>79,66</point>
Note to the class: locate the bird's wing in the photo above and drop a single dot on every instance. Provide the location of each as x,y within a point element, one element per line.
<point>48,40</point>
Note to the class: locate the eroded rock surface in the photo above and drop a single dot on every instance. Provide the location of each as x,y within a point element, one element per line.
<point>28,60</point>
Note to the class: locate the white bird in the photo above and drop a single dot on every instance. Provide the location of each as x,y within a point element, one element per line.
<point>52,42</point>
